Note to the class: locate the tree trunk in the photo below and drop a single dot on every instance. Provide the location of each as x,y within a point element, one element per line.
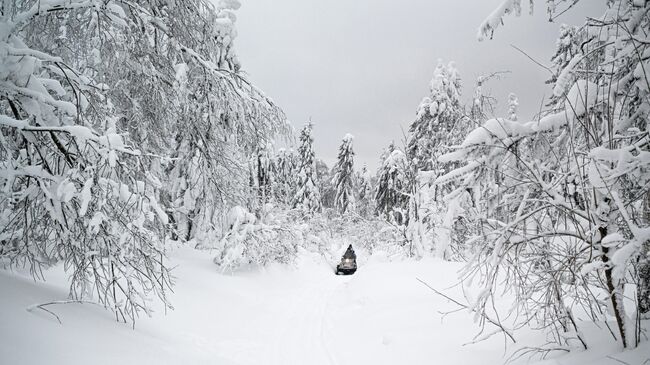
<point>643,267</point>
<point>613,289</point>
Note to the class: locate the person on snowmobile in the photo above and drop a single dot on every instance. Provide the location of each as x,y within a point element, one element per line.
<point>349,253</point>
<point>348,263</point>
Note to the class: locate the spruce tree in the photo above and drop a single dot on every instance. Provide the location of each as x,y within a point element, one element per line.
<point>308,196</point>
<point>284,172</point>
<point>513,104</point>
<point>344,177</point>
<point>436,118</point>
<point>364,192</point>
<point>325,184</point>
<point>391,196</point>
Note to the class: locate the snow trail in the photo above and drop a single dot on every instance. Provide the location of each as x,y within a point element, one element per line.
<point>301,335</point>
<point>297,314</point>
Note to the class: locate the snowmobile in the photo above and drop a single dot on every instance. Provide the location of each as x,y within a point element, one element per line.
<point>348,263</point>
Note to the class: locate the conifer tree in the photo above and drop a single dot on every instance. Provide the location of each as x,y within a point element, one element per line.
<point>391,196</point>
<point>325,183</point>
<point>436,118</point>
<point>344,177</point>
<point>284,170</point>
<point>307,197</point>
<point>364,192</point>
<point>513,104</point>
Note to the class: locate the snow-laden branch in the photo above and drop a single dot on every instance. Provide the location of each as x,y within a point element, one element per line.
<point>492,22</point>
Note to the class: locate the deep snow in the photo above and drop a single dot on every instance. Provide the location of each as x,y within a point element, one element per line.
<point>297,314</point>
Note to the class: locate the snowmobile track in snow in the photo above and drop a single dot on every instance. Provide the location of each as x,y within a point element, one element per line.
<point>303,336</point>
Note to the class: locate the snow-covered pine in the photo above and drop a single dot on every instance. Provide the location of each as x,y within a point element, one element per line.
<point>364,198</point>
<point>344,177</point>
<point>567,48</point>
<point>384,155</point>
<point>284,182</point>
<point>391,194</point>
<point>307,197</point>
<point>436,118</point>
<point>513,104</point>
<point>439,124</point>
<point>325,184</point>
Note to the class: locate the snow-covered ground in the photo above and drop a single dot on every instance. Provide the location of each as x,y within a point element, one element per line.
<point>298,314</point>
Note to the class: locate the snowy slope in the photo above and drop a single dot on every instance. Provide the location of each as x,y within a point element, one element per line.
<point>300,314</point>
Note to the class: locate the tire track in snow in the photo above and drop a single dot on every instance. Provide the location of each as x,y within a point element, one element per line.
<point>326,310</point>
<point>302,336</point>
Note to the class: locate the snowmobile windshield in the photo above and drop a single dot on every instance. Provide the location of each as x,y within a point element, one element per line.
<point>348,263</point>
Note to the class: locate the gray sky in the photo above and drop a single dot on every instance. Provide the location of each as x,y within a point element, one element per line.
<point>363,66</point>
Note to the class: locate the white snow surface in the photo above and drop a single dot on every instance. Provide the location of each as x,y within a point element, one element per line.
<point>291,314</point>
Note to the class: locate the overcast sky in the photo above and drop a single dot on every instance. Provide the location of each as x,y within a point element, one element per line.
<point>363,66</point>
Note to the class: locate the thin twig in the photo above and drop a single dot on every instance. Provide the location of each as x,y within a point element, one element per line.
<point>485,316</point>
<point>532,59</point>
<point>42,306</point>
<point>619,360</point>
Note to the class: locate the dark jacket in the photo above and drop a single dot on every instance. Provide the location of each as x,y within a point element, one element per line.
<point>349,253</point>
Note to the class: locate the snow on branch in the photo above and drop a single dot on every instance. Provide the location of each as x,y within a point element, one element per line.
<point>492,22</point>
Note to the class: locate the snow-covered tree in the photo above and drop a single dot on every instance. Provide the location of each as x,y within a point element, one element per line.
<point>216,121</point>
<point>307,197</point>
<point>326,187</point>
<point>72,183</point>
<point>392,194</point>
<point>384,154</point>
<point>344,177</point>
<point>437,117</point>
<point>440,123</point>
<point>364,191</point>
<point>568,228</point>
<point>285,170</point>
<point>112,99</point>
<point>567,46</point>
<point>513,104</point>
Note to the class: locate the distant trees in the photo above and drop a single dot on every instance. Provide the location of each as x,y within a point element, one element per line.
<point>436,118</point>
<point>439,124</point>
<point>344,177</point>
<point>284,181</point>
<point>513,104</point>
<point>391,194</point>
<point>307,197</point>
<point>261,175</point>
<point>325,184</point>
<point>364,192</point>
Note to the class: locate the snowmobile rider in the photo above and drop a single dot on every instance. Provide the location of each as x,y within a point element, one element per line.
<point>348,263</point>
<point>349,254</point>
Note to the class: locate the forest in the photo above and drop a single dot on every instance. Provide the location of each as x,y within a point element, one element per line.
<point>133,144</point>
